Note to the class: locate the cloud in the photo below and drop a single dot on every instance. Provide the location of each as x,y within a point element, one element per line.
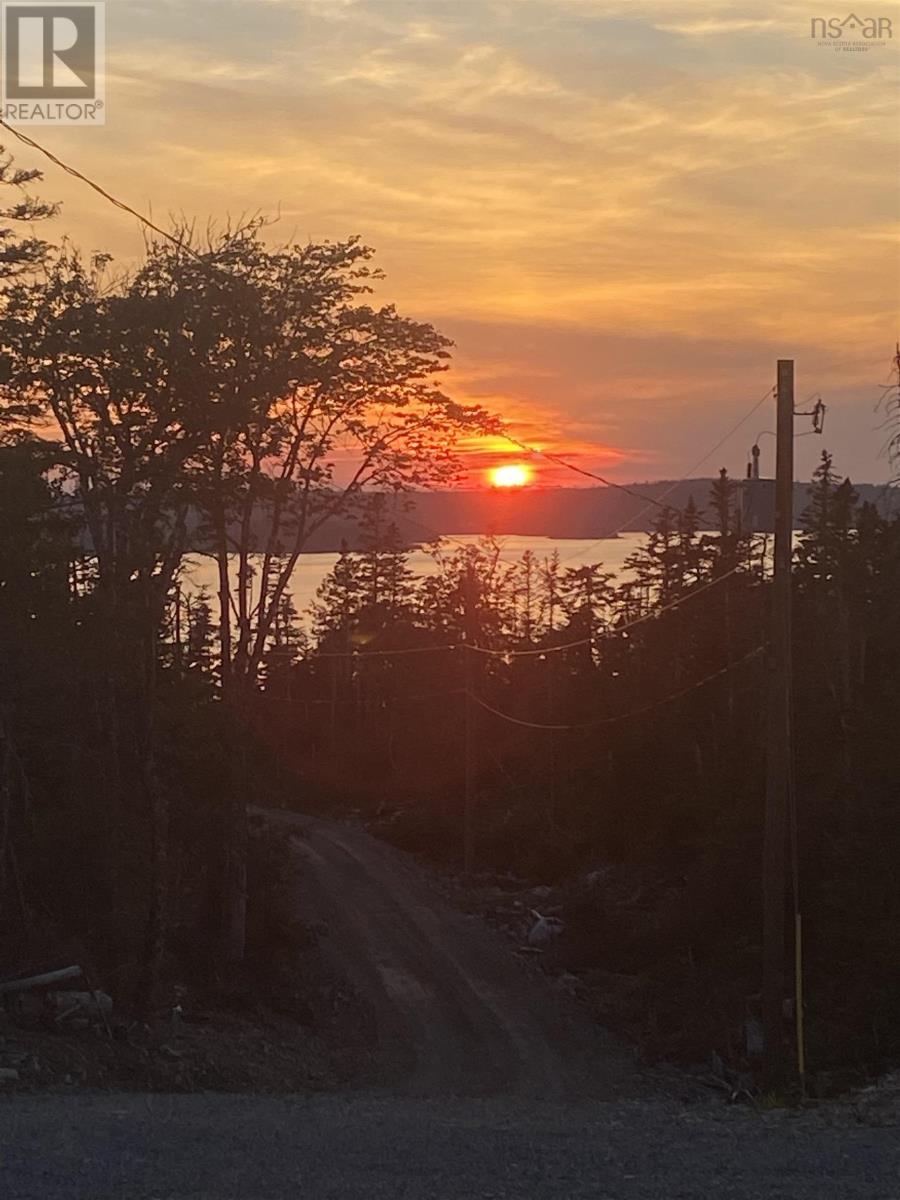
<point>691,192</point>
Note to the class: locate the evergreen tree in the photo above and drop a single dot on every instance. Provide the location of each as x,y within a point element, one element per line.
<point>385,578</point>
<point>551,592</point>
<point>287,644</point>
<point>442,597</point>
<point>201,631</point>
<point>339,601</point>
<point>657,567</point>
<point>524,585</point>
<point>588,599</point>
<point>828,524</point>
<point>825,561</point>
<point>730,545</point>
<point>722,497</point>
<point>690,551</point>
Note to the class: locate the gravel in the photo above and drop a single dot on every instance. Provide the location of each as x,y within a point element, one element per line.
<point>484,1081</point>
<point>371,1146</point>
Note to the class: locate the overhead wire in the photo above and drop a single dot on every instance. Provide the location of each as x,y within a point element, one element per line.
<point>657,501</point>
<point>633,520</point>
<point>615,631</point>
<point>101,191</point>
<point>652,501</point>
<point>123,206</point>
<point>563,462</point>
<point>360,653</point>
<point>612,720</point>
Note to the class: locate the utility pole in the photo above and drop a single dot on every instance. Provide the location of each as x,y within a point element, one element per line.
<point>779,751</point>
<point>470,771</point>
<point>178,648</point>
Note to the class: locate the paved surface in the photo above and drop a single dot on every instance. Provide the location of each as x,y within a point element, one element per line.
<point>484,1082</point>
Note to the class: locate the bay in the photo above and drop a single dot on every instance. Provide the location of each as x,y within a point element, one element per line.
<point>199,571</point>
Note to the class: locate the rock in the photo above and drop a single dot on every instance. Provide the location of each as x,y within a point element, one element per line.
<point>544,930</point>
<point>597,877</point>
<point>494,893</point>
<point>29,1005</point>
<point>568,983</point>
<point>9,1075</point>
<point>880,1104</point>
<point>80,1004</point>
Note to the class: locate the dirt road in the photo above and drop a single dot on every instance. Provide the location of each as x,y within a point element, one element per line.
<point>455,1012</point>
<point>484,1082</point>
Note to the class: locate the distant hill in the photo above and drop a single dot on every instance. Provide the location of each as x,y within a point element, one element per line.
<point>559,512</point>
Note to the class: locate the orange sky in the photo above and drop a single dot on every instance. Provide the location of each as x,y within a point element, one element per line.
<point>623,213</point>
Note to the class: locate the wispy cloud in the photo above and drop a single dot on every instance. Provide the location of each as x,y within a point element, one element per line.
<point>633,175</point>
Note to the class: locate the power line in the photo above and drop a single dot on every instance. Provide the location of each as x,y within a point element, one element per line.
<point>361,654</point>
<point>616,630</point>
<point>651,500</point>
<point>403,650</point>
<point>767,395</point>
<point>562,462</point>
<point>182,245</point>
<point>101,191</point>
<point>536,651</point>
<point>561,727</point>
<point>637,712</point>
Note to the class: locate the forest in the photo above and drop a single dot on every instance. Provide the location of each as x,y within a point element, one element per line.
<point>529,719</point>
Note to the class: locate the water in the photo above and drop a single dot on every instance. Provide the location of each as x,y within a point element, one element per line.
<point>200,572</point>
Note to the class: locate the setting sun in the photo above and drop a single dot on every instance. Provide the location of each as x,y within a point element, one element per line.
<point>512,475</point>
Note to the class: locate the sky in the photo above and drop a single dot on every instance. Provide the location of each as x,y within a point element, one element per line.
<point>622,212</point>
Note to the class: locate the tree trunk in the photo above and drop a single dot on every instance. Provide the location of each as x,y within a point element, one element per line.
<point>221,535</point>
<point>233,912</point>
<point>157,914</point>
<point>234,890</point>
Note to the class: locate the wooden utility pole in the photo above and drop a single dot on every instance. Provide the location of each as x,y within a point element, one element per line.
<point>470,752</point>
<point>779,750</point>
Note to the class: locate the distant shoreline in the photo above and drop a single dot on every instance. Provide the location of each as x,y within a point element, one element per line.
<point>561,513</point>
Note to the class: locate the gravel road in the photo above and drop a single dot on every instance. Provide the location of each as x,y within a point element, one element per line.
<point>369,1147</point>
<point>455,1012</point>
<point>484,1081</point>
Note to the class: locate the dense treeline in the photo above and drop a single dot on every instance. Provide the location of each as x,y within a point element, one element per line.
<point>625,723</point>
<point>602,720</point>
<point>228,378</point>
